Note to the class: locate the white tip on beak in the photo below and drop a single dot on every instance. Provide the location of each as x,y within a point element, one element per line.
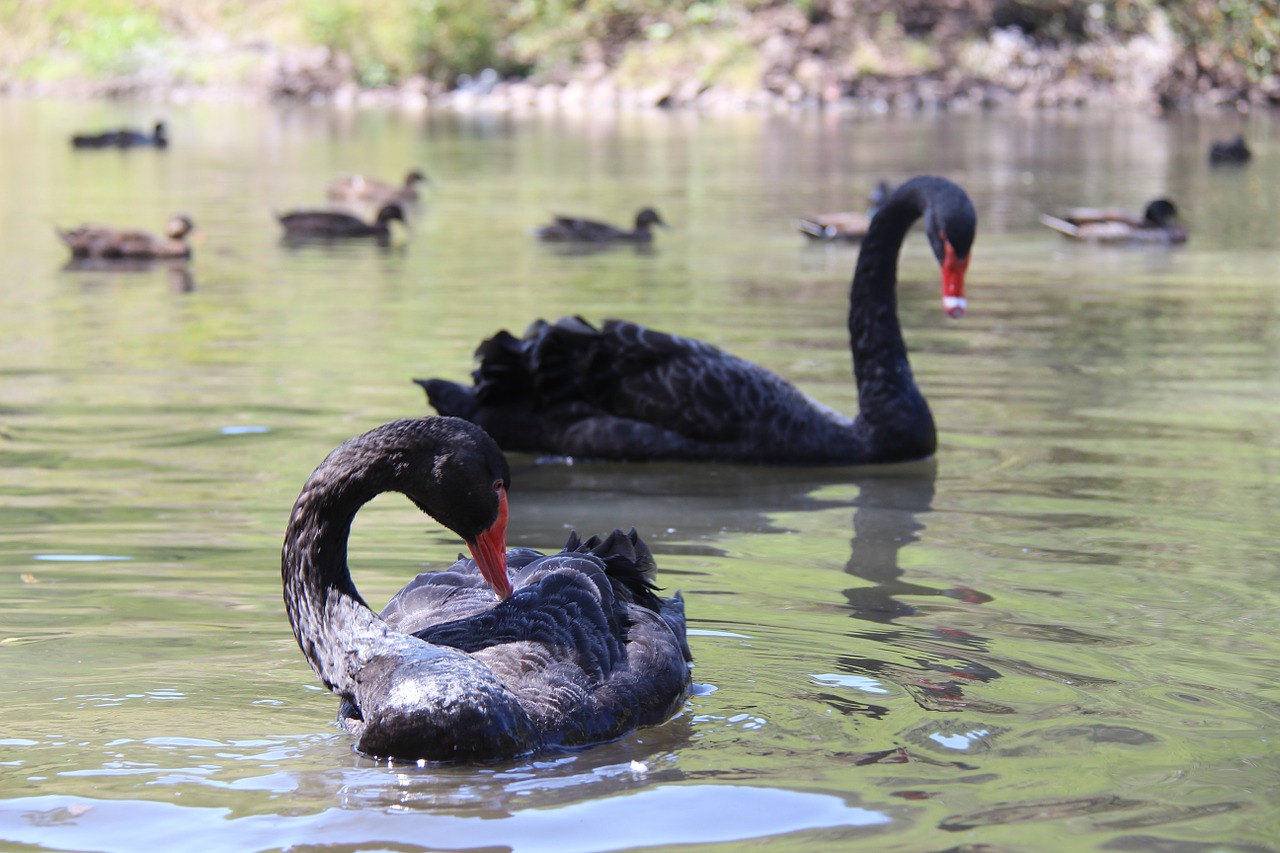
<point>954,305</point>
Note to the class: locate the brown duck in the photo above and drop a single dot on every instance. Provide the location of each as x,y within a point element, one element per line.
<point>359,188</point>
<point>103,241</point>
<point>1158,224</point>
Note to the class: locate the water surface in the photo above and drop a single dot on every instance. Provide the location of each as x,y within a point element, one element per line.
<point>1058,634</point>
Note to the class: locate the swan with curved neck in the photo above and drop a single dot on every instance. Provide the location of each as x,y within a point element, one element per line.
<point>575,647</point>
<point>626,392</point>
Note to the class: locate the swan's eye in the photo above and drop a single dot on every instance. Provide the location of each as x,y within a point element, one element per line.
<point>498,485</point>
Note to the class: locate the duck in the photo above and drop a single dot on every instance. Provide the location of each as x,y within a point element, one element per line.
<point>125,138</point>
<point>103,241</point>
<point>572,229</point>
<point>1159,224</point>
<point>1230,152</point>
<point>626,392</point>
<point>358,188</point>
<point>848,226</point>
<point>336,224</point>
<point>502,654</point>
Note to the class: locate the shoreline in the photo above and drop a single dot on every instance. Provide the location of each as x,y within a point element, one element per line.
<point>1005,72</point>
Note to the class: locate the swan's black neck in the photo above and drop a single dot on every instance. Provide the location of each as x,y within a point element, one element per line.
<point>421,458</point>
<point>320,597</point>
<point>894,420</point>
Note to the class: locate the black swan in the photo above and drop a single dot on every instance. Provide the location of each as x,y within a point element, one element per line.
<point>339,225</point>
<point>626,392</point>
<point>1158,224</point>
<point>102,241</point>
<point>575,648</point>
<point>359,188</point>
<point>122,139</point>
<point>846,226</point>
<point>570,229</point>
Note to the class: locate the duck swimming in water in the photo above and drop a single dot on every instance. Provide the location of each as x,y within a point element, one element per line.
<point>361,189</point>
<point>847,226</point>
<point>125,138</point>
<point>1230,152</point>
<point>301,225</point>
<point>106,242</point>
<point>571,229</point>
<point>1159,223</point>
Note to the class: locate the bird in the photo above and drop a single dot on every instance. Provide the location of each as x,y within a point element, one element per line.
<point>1159,224</point>
<point>571,229</point>
<point>102,241</point>
<point>358,188</point>
<point>498,656</point>
<point>1229,152</point>
<point>125,138</point>
<point>849,226</point>
<point>335,224</point>
<point>627,392</point>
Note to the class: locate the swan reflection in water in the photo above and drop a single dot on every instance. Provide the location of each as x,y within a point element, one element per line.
<point>935,665</point>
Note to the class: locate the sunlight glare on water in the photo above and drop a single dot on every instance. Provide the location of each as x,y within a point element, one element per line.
<point>1062,627</point>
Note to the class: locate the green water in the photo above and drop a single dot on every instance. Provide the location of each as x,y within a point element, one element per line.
<point>1059,634</point>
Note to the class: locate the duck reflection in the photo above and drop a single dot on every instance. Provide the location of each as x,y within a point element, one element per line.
<point>177,270</point>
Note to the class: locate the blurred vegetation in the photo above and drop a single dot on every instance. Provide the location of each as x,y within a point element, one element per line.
<point>1228,38</point>
<point>1229,42</point>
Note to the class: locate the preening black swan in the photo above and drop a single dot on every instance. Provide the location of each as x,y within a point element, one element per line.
<point>570,229</point>
<point>574,649</point>
<point>625,392</point>
<point>1159,223</point>
<point>106,242</point>
<point>125,138</point>
<point>359,188</point>
<point>338,225</point>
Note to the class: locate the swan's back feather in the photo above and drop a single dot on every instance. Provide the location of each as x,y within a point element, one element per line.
<point>583,642</point>
<point>623,387</point>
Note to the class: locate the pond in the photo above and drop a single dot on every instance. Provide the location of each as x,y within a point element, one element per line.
<point>1059,633</point>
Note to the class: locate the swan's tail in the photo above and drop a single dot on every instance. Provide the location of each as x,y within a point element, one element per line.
<point>450,398</point>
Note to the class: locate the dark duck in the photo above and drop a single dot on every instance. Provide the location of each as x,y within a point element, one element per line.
<point>846,226</point>
<point>571,229</point>
<point>124,138</point>
<point>1230,152</point>
<point>305,225</point>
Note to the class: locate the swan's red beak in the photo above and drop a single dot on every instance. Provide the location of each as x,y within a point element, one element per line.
<point>953,269</point>
<point>490,550</point>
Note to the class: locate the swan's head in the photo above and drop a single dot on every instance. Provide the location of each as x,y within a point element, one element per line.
<point>950,221</point>
<point>460,478</point>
